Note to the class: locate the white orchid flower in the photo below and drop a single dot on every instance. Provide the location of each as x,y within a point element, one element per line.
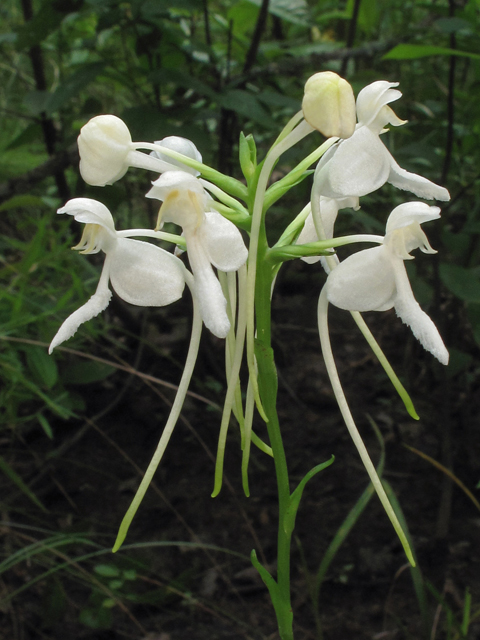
<point>141,273</point>
<point>210,238</point>
<point>107,151</point>
<point>376,279</point>
<point>362,164</point>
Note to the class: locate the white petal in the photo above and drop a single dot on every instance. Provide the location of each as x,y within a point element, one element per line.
<point>371,103</point>
<point>222,242</point>
<point>359,166</point>
<point>365,281</point>
<point>410,312</point>
<point>145,275</point>
<point>95,305</point>
<point>212,302</point>
<point>89,211</point>
<point>418,185</point>
<point>174,181</point>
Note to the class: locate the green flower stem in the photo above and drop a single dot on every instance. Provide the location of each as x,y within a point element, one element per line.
<point>267,378</point>
<point>150,233</point>
<point>292,138</point>
<point>375,347</point>
<point>291,252</point>
<point>277,189</point>
<point>230,185</point>
<point>224,197</point>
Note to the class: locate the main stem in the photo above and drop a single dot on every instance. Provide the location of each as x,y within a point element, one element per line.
<point>268,392</point>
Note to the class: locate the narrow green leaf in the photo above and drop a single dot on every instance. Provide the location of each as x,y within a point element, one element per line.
<point>291,513</point>
<point>265,575</point>
<point>417,577</point>
<point>413,51</point>
<point>15,478</point>
<point>45,426</point>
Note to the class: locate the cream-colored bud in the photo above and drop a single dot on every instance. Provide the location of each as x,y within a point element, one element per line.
<point>104,143</point>
<point>329,105</point>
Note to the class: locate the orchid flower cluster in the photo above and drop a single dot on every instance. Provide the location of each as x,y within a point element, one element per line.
<point>216,215</point>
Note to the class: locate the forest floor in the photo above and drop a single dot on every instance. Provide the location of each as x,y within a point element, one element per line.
<point>185,569</point>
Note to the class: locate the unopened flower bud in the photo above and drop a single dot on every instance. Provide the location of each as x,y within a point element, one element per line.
<point>104,144</point>
<point>329,105</point>
<point>182,145</point>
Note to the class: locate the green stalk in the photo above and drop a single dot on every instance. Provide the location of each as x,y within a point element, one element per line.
<point>267,379</point>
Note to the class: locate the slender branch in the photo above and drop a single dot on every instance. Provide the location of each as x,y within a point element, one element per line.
<point>450,102</point>
<point>257,36</point>
<point>352,28</point>
<point>206,18</point>
<point>48,126</point>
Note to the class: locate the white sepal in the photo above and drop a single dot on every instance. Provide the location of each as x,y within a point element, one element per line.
<point>145,275</point>
<point>95,305</point>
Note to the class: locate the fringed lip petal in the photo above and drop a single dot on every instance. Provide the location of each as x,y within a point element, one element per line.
<point>95,305</point>
<point>145,275</point>
<point>222,242</point>
<point>418,185</point>
<point>412,315</point>
<point>365,281</point>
